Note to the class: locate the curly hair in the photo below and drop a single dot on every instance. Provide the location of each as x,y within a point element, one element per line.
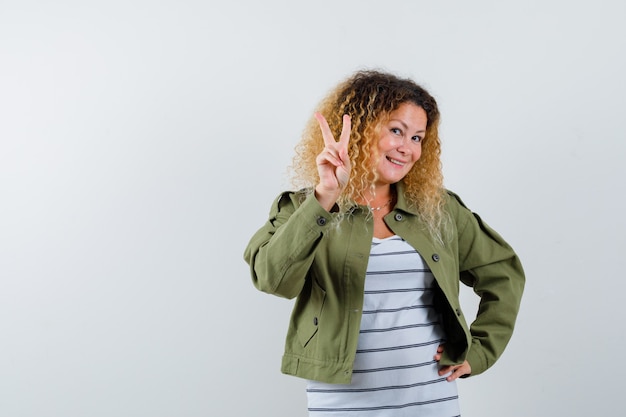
<point>369,97</point>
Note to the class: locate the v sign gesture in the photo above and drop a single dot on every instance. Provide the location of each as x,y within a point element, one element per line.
<point>333,163</point>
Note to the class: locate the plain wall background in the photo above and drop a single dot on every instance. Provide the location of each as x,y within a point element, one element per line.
<point>142,142</point>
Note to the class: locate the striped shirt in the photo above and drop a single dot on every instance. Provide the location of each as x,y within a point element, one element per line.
<point>395,374</point>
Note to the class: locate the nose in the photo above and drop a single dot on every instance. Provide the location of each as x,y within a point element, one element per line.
<point>401,144</point>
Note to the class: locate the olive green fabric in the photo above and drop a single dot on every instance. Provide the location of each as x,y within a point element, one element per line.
<point>301,252</point>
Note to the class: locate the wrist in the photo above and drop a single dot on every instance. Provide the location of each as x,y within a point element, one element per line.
<point>327,199</point>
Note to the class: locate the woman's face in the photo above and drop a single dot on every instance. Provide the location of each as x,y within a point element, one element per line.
<point>399,146</point>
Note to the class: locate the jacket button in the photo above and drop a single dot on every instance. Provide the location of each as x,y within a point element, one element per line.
<point>458,312</point>
<point>435,257</point>
<point>315,321</point>
<point>321,221</point>
<point>398,217</point>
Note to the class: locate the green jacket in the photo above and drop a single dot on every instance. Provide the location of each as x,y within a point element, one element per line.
<point>300,252</point>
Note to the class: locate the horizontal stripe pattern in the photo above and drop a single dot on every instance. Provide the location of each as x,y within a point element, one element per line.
<point>394,374</point>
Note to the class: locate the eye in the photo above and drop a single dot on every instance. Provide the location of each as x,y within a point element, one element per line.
<point>416,139</point>
<point>395,131</point>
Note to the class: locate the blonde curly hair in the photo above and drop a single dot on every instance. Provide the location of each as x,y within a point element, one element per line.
<point>369,97</point>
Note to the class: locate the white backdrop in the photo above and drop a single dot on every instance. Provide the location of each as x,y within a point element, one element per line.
<point>141,143</point>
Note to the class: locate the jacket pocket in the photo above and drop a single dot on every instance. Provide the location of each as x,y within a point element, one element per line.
<point>309,319</point>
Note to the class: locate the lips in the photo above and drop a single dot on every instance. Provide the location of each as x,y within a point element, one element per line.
<point>396,162</point>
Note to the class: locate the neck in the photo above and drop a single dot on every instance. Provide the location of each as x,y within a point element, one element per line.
<point>380,196</point>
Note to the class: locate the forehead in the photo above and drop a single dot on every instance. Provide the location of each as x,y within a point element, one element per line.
<point>411,114</point>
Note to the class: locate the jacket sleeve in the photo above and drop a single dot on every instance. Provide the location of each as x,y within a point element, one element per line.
<point>281,252</point>
<point>491,267</point>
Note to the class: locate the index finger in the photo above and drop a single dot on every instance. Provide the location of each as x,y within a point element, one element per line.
<point>326,133</point>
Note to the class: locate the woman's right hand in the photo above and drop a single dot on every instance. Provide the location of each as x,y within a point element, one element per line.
<point>333,163</point>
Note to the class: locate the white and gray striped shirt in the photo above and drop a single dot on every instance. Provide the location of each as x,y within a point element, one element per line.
<point>395,374</point>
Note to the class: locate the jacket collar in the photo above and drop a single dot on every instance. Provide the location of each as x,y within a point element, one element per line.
<point>402,203</point>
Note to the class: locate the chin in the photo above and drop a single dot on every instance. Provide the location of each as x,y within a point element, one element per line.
<point>389,181</point>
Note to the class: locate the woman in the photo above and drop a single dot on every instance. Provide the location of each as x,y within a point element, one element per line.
<point>373,248</point>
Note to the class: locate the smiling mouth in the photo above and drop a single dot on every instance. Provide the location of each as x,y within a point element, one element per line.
<point>395,161</point>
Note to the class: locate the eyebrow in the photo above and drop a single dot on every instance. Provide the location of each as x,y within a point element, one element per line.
<point>405,126</point>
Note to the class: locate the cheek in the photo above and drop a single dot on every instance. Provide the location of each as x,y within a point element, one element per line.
<point>379,150</point>
<point>383,144</point>
<point>417,153</point>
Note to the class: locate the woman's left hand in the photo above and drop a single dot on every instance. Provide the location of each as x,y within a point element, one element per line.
<point>457,370</point>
